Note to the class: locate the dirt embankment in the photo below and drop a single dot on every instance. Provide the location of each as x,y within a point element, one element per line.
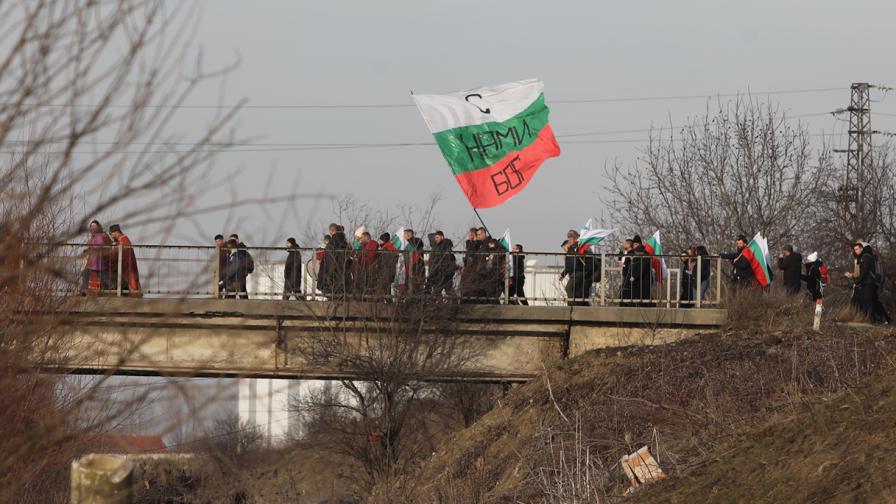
<point>732,417</point>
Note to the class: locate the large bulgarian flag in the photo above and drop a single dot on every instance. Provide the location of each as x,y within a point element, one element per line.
<point>757,253</point>
<point>590,237</point>
<point>654,247</point>
<point>494,138</point>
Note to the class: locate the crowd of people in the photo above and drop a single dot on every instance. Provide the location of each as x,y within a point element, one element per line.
<point>372,269</point>
<point>362,267</point>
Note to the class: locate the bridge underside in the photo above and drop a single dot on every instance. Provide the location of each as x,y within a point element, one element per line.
<point>291,339</point>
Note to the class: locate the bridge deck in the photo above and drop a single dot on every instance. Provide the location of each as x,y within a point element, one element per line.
<point>206,337</point>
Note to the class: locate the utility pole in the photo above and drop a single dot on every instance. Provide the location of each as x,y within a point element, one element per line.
<point>855,193</point>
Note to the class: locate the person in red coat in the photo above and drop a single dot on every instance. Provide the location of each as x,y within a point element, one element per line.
<point>366,265</point>
<point>130,276</point>
<point>387,262</point>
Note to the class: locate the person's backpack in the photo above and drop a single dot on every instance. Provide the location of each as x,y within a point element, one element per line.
<point>878,275</point>
<point>823,273</point>
<point>250,264</point>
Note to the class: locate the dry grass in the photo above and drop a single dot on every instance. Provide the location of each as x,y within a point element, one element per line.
<point>686,401</point>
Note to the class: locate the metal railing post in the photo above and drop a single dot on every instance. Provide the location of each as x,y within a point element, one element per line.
<point>718,281</point>
<point>603,279</point>
<point>507,266</point>
<point>669,290</point>
<point>699,281</point>
<point>118,274</point>
<point>216,274</point>
<point>677,288</point>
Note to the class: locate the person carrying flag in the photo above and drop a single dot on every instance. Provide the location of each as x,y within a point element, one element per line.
<point>580,270</point>
<point>741,270</point>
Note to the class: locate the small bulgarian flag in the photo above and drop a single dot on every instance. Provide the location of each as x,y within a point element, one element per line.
<point>494,138</point>
<point>401,245</point>
<point>757,253</point>
<point>398,240</point>
<point>654,247</point>
<point>590,237</point>
<point>504,240</point>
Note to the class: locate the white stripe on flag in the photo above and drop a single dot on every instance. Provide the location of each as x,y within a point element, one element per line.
<point>465,108</point>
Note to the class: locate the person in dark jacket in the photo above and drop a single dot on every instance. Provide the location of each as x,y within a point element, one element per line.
<point>867,284</point>
<point>494,270</point>
<point>812,277</point>
<point>247,259</point>
<point>704,270</point>
<point>579,267</point>
<point>518,276</point>
<point>625,261</point>
<point>415,266</point>
<point>221,251</point>
<point>688,293</point>
<point>237,270</point>
<point>442,265</point>
<point>333,277</point>
<point>741,270</point>
<point>789,262</point>
<point>472,283</point>
<point>641,276</point>
<point>292,271</point>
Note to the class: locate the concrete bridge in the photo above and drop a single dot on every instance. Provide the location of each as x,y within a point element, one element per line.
<point>270,339</point>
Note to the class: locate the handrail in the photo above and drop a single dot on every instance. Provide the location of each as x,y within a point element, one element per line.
<point>193,270</point>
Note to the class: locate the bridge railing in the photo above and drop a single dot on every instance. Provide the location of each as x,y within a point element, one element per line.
<point>599,279</point>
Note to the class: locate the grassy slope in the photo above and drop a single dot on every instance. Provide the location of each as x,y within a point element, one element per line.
<point>691,402</point>
<point>839,451</point>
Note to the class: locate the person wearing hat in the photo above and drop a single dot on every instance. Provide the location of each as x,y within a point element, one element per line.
<point>129,275</point>
<point>813,277</point>
<point>292,271</point>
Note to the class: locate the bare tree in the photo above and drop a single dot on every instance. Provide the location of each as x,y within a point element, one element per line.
<point>739,169</point>
<point>89,93</point>
<point>469,400</point>
<point>397,351</point>
<point>231,441</point>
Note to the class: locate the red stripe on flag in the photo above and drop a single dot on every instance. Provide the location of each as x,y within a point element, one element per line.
<point>495,184</point>
<point>655,264</point>
<point>758,270</point>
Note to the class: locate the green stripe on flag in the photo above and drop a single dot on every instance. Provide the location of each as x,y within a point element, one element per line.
<point>471,148</point>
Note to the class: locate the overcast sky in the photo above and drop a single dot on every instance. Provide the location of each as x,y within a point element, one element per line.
<point>336,53</point>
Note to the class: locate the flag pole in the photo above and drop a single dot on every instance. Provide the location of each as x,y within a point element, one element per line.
<point>482,221</point>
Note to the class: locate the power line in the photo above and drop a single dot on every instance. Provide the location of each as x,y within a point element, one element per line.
<point>302,146</point>
<point>326,147</point>
<point>411,105</point>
